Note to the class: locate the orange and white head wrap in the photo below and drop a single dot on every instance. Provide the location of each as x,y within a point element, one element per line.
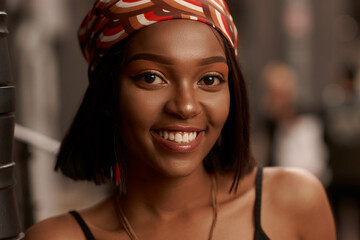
<point>110,21</point>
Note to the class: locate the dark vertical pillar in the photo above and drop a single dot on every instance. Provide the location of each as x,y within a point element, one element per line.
<point>9,220</point>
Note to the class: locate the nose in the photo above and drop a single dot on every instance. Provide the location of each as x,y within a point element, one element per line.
<point>184,102</point>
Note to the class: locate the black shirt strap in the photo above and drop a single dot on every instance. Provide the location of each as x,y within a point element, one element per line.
<point>258,187</point>
<point>83,225</point>
<point>259,233</point>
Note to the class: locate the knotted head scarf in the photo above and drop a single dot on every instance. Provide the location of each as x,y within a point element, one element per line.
<point>110,21</point>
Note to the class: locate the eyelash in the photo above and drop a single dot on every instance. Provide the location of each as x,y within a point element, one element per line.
<point>213,75</point>
<point>142,76</point>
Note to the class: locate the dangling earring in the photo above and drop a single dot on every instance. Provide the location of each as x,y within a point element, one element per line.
<point>117,173</point>
<point>118,167</point>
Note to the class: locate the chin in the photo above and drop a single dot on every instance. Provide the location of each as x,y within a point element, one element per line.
<point>180,170</point>
<point>175,167</point>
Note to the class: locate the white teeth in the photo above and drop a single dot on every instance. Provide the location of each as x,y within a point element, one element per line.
<point>185,138</point>
<point>191,137</point>
<point>179,137</point>
<point>171,136</point>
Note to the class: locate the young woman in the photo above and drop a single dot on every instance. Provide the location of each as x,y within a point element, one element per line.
<point>166,117</point>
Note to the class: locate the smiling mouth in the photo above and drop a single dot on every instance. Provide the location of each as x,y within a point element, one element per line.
<point>176,136</point>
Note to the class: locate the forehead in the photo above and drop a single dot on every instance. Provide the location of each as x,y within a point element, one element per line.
<point>182,39</point>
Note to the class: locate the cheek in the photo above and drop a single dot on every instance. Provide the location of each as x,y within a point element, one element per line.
<point>138,108</point>
<point>217,108</point>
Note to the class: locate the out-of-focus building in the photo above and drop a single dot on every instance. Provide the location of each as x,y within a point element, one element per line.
<point>342,125</point>
<point>315,38</point>
<point>51,77</point>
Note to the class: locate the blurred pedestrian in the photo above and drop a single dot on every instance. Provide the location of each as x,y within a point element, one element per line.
<point>295,138</point>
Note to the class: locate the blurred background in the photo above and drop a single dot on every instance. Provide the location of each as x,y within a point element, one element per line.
<point>301,61</point>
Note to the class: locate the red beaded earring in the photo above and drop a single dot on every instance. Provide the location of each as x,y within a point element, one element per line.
<point>117,173</point>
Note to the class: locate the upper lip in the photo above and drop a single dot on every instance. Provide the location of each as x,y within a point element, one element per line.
<point>179,128</point>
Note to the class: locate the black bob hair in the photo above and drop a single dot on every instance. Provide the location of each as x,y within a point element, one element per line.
<point>91,147</point>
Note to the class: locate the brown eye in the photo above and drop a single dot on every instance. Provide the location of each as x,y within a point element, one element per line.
<point>211,80</point>
<point>150,78</point>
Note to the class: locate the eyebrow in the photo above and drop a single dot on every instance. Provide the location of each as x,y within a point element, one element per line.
<point>215,59</point>
<point>165,60</point>
<point>150,57</point>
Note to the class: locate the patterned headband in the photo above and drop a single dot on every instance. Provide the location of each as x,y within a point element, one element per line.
<point>110,21</point>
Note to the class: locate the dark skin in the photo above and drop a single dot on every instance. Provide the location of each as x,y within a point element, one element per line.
<point>169,191</point>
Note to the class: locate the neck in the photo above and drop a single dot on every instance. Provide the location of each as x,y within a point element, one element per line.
<point>166,196</point>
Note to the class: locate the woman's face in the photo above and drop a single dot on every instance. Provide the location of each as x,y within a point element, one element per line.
<point>174,97</point>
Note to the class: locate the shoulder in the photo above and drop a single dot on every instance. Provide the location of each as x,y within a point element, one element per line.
<point>101,219</point>
<point>301,199</point>
<point>55,228</point>
<point>292,184</point>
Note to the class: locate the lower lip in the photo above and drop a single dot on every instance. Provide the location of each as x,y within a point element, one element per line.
<point>178,147</point>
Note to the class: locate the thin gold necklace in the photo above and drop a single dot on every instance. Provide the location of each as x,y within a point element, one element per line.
<point>130,231</point>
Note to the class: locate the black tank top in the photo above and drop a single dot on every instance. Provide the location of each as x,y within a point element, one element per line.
<point>259,233</point>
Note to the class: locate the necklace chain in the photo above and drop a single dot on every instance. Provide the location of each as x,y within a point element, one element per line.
<point>130,231</point>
